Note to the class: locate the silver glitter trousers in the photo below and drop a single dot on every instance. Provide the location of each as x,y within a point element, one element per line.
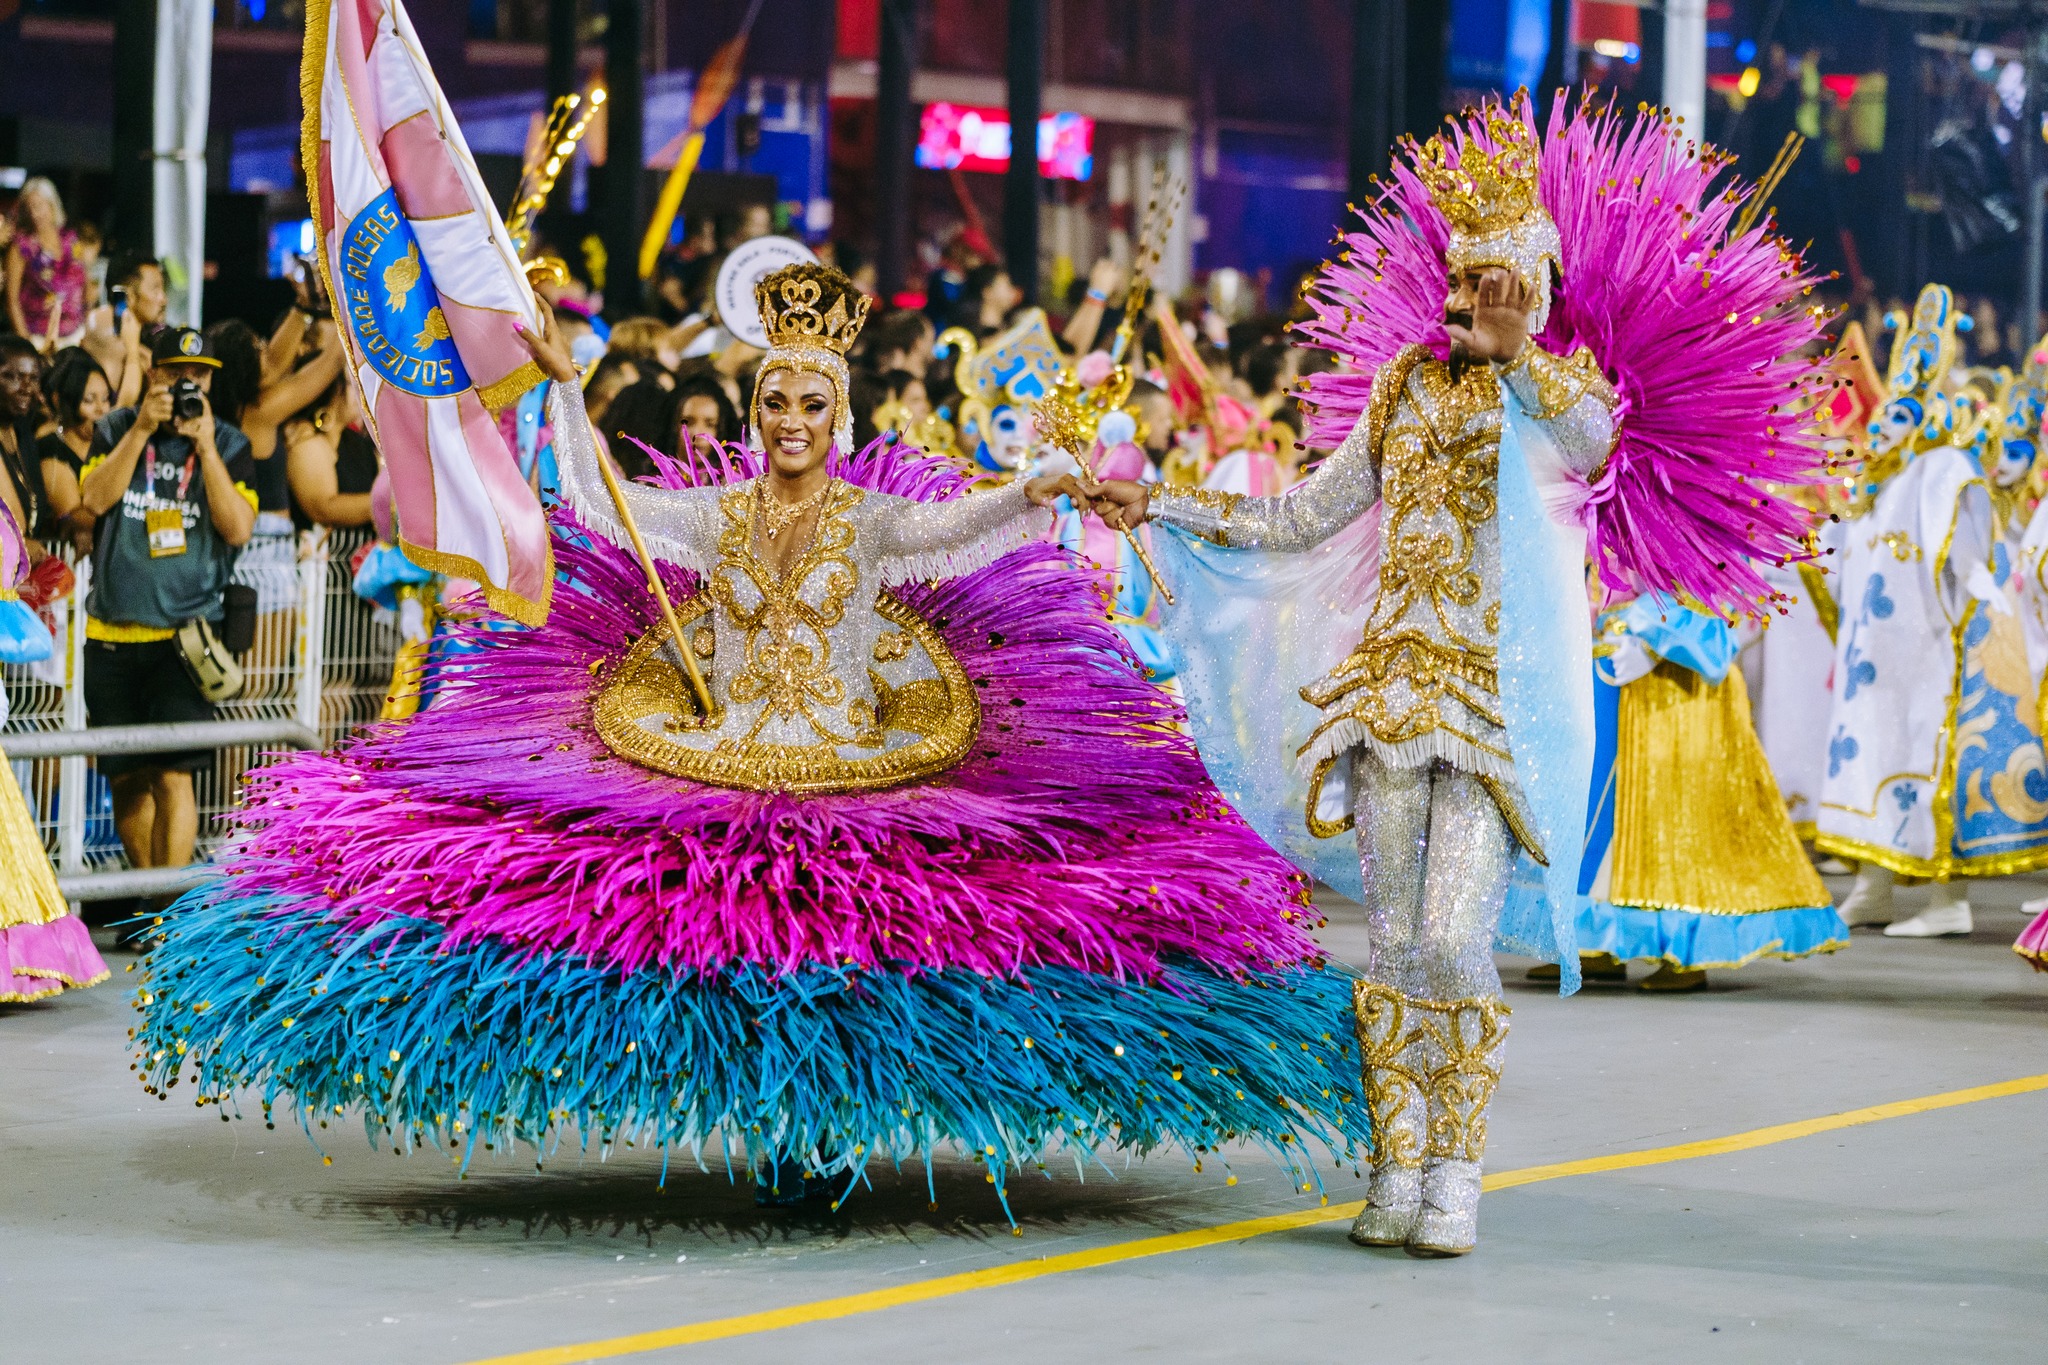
<point>1436,853</point>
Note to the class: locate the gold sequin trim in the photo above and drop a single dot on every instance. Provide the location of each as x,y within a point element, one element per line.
<point>1395,1080</point>
<point>1561,381</point>
<point>1465,1072</point>
<point>943,711</point>
<point>1217,501</point>
<point>1318,827</point>
<point>1899,543</point>
<point>1512,812</point>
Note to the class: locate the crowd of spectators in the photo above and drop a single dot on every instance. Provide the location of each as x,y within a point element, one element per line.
<point>182,465</point>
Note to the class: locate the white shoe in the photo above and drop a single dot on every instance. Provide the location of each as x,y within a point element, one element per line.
<point>2034,909</point>
<point>1833,867</point>
<point>1870,900</point>
<point>1936,921</point>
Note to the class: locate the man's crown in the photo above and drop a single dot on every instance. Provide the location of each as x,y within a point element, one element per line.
<point>1483,185</point>
<point>810,305</point>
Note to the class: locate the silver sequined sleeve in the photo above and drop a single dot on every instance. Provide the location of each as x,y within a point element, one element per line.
<point>1571,399</point>
<point>1337,494</point>
<point>922,541</point>
<point>680,525</point>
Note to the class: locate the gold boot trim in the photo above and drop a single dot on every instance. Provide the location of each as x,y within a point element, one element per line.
<point>1393,1081</point>
<point>1469,1035</point>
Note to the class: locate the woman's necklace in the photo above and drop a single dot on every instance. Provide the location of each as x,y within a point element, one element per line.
<point>777,516</point>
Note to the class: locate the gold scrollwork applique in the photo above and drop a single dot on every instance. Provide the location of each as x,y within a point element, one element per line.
<point>1561,381</point>
<point>943,712</point>
<point>785,645</point>
<point>1468,1035</point>
<point>1394,1080</point>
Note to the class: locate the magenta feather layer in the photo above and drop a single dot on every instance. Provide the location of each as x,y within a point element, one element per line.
<point>1699,327</point>
<point>1081,832</point>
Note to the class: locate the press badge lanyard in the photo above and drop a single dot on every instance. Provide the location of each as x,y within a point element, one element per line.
<point>166,525</point>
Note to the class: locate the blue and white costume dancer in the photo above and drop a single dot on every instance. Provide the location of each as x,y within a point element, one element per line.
<point>1935,767</point>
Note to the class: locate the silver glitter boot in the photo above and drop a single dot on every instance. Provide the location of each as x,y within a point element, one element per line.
<point>1394,1072</point>
<point>1470,1034</point>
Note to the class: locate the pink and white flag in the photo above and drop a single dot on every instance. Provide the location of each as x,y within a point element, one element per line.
<point>426,289</point>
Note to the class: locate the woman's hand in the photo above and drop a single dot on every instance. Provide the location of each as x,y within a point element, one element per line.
<point>546,346</point>
<point>1044,492</point>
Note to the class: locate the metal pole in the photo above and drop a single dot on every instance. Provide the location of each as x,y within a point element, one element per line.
<point>625,208</point>
<point>1378,89</point>
<point>1557,63</point>
<point>1020,184</point>
<point>2030,180</point>
<point>165,738</point>
<point>1685,64</point>
<point>182,98</point>
<point>71,770</point>
<point>564,77</point>
<point>897,53</point>
<point>134,130</point>
<point>312,631</point>
<point>561,49</point>
<point>1426,28</point>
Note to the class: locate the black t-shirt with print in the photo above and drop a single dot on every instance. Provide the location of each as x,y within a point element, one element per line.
<point>129,584</point>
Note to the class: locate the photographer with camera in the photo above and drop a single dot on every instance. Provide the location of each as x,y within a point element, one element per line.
<point>172,488</point>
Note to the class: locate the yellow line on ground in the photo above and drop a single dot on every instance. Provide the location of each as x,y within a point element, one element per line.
<point>944,1286</point>
<point>1764,1137</point>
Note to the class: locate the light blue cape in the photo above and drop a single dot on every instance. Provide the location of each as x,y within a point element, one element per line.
<point>1251,627</point>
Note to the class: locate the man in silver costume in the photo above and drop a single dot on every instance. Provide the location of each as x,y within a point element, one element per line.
<point>1414,711</point>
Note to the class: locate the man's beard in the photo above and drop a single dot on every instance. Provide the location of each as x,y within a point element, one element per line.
<point>1462,359</point>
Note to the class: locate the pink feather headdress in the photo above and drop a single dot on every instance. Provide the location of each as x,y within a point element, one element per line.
<point>1699,327</point>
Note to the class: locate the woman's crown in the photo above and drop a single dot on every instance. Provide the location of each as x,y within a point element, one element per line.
<point>1486,182</point>
<point>810,305</point>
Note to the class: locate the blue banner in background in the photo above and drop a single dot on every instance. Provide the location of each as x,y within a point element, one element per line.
<point>1499,44</point>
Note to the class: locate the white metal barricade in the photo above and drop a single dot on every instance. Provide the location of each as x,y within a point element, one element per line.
<point>322,657</point>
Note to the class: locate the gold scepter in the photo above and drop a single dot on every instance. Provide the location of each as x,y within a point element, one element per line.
<point>546,159</point>
<point>1067,417</point>
<point>1064,420</point>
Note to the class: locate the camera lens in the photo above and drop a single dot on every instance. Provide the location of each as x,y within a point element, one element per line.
<point>186,400</point>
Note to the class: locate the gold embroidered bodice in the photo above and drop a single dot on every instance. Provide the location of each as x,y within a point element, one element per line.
<point>1422,682</point>
<point>824,680</point>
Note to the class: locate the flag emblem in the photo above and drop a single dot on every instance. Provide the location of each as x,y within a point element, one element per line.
<point>392,307</point>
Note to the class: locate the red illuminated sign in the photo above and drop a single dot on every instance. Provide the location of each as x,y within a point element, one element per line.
<point>968,138</point>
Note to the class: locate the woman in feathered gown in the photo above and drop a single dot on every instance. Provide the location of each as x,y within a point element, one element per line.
<point>937,872</point>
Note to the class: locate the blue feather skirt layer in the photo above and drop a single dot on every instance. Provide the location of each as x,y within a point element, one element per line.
<point>487,1045</point>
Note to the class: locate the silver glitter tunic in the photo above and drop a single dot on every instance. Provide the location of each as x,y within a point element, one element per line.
<point>1423,682</point>
<point>808,661</point>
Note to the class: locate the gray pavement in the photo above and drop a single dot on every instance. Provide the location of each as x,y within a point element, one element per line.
<point>135,1230</point>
